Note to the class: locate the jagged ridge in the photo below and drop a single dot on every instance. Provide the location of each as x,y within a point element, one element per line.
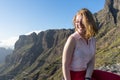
<point>38,57</point>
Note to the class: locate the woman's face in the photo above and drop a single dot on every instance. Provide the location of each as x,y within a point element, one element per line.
<point>79,26</point>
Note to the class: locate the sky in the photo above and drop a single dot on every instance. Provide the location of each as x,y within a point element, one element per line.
<point>20,17</point>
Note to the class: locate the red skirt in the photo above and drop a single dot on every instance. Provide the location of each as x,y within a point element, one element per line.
<point>97,75</point>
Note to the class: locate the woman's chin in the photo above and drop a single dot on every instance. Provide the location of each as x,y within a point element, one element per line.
<point>81,32</point>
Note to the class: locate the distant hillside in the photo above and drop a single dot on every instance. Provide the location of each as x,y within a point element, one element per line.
<point>108,39</point>
<point>3,53</point>
<point>38,57</point>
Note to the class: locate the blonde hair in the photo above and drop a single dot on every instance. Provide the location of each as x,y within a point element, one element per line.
<point>88,21</point>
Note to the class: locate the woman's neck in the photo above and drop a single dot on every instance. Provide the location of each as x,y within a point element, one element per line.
<point>82,35</point>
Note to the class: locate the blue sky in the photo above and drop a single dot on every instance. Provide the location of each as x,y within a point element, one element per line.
<point>18,17</point>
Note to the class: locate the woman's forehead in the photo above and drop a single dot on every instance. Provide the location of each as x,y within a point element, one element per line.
<point>78,17</point>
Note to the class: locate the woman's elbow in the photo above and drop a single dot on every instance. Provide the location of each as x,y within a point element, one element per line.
<point>65,65</point>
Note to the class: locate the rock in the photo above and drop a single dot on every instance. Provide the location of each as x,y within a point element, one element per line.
<point>115,68</point>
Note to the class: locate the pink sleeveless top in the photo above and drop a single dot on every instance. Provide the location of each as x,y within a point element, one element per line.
<point>83,52</point>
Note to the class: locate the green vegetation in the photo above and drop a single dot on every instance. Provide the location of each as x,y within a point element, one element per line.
<point>41,59</point>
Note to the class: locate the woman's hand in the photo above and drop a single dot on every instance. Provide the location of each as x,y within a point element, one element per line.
<point>87,78</point>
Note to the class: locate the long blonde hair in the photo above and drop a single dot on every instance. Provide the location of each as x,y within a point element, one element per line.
<point>88,21</point>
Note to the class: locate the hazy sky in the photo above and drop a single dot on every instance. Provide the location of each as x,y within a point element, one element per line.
<point>18,17</point>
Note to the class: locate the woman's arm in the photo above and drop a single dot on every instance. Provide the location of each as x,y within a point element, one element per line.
<point>90,68</point>
<point>67,57</point>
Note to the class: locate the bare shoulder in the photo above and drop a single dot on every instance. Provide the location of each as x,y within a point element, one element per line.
<point>70,42</point>
<point>71,39</point>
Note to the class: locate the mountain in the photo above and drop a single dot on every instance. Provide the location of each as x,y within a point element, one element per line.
<point>3,53</point>
<point>108,38</point>
<point>35,55</point>
<point>38,56</point>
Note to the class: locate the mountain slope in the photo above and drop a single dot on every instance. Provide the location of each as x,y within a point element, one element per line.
<point>35,54</point>
<point>3,53</point>
<point>108,39</point>
<point>38,57</point>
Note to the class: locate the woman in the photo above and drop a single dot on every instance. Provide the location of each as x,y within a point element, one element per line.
<point>79,51</point>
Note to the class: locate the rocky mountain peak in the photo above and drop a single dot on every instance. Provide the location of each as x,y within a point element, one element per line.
<point>25,39</point>
<point>116,4</point>
<point>110,13</point>
<point>38,56</point>
<point>112,4</point>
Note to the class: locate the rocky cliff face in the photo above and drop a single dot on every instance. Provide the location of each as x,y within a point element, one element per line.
<point>38,57</point>
<point>110,13</point>
<point>109,16</point>
<point>35,51</point>
<point>108,37</point>
<point>4,52</point>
